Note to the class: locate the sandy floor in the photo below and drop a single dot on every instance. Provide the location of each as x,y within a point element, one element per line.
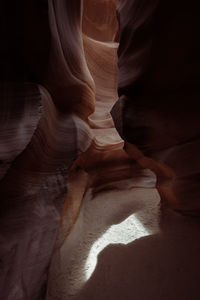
<point>123,247</point>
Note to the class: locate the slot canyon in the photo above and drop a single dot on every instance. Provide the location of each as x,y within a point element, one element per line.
<point>99,157</point>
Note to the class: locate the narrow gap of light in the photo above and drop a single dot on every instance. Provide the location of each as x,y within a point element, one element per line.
<point>123,233</point>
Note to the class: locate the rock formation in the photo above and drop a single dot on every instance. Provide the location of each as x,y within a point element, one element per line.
<point>157,113</point>
<point>46,93</point>
<point>58,84</point>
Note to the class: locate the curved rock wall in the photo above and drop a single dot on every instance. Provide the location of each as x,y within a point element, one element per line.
<point>46,94</point>
<point>157,113</point>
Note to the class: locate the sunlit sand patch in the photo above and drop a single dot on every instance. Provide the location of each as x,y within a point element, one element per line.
<point>123,233</point>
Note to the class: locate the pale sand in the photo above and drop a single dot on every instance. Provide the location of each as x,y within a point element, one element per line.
<point>123,247</point>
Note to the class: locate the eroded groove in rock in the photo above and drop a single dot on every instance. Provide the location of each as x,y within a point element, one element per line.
<point>67,78</point>
<point>99,19</point>
<point>101,57</point>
